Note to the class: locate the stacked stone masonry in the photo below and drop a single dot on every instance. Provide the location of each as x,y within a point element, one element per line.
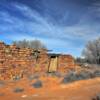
<point>19,62</point>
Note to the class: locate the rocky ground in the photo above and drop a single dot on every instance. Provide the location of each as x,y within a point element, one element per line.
<point>49,87</point>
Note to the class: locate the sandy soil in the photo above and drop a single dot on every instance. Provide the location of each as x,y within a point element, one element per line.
<point>52,90</point>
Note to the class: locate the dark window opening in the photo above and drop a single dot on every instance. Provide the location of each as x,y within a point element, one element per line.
<point>53,56</point>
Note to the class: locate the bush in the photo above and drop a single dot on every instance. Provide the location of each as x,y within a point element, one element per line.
<point>97,97</point>
<point>97,73</point>
<point>32,77</point>
<point>37,84</point>
<point>1,94</point>
<point>73,76</point>
<point>70,77</point>
<point>18,90</point>
<point>85,75</point>
<point>2,83</point>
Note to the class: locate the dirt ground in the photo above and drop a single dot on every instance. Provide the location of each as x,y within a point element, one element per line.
<point>52,90</point>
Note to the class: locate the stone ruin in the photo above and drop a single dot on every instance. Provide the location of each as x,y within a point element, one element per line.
<point>19,62</point>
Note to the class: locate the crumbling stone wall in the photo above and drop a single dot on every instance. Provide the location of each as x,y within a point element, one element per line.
<point>16,62</point>
<point>66,63</point>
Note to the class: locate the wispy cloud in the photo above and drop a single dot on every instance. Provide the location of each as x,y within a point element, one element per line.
<point>33,25</point>
<point>41,25</point>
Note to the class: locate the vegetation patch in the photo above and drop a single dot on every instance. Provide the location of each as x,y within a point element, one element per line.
<point>97,73</point>
<point>73,76</point>
<point>70,77</point>
<point>37,84</point>
<point>32,77</point>
<point>97,97</point>
<point>18,90</point>
<point>2,83</point>
<point>2,94</point>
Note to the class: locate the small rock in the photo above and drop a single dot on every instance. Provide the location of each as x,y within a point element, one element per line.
<point>24,96</point>
<point>35,95</point>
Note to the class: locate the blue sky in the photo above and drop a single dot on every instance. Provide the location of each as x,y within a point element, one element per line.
<point>64,26</point>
